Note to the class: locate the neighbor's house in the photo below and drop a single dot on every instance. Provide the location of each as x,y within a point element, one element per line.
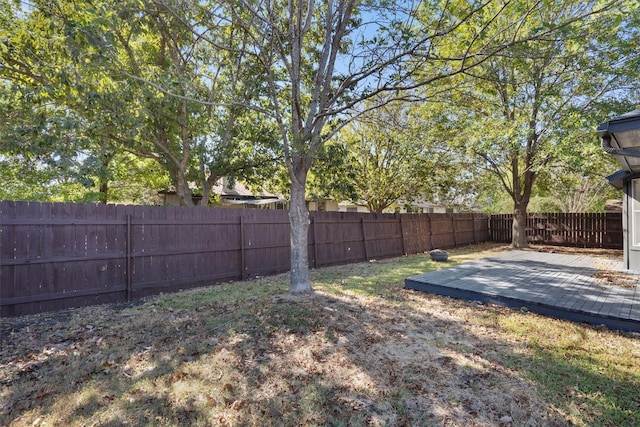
<point>399,207</point>
<point>237,195</point>
<point>232,194</point>
<point>352,207</point>
<point>328,205</point>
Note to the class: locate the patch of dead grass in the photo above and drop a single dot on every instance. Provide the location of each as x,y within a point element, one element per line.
<point>361,351</point>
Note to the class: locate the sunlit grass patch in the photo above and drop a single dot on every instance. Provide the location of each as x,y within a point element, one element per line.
<point>383,278</point>
<point>593,375</point>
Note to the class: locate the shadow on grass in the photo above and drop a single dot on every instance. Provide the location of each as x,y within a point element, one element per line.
<point>248,354</point>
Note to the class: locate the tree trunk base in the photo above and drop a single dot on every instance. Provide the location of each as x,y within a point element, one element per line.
<point>301,289</point>
<point>519,231</point>
<point>300,283</point>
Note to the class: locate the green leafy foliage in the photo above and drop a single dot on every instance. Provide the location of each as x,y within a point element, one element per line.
<point>523,112</point>
<point>133,76</point>
<point>389,155</point>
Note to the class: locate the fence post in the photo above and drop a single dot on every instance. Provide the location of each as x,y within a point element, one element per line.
<point>315,242</point>
<point>430,245</point>
<point>603,235</point>
<point>242,254</point>
<point>453,228</point>
<point>404,249</point>
<point>129,260</point>
<point>473,223</point>
<point>364,239</point>
<point>494,233</point>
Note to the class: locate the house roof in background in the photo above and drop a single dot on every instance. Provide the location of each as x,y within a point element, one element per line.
<point>240,190</point>
<point>258,202</point>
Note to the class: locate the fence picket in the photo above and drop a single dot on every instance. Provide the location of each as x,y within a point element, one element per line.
<point>59,255</point>
<point>589,230</point>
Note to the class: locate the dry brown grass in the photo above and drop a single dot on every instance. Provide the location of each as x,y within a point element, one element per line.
<point>362,351</point>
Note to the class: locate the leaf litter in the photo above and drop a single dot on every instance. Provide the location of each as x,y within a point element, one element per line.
<point>249,354</point>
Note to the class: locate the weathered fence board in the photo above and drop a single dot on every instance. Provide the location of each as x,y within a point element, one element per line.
<point>57,255</point>
<point>587,230</point>
<point>60,255</point>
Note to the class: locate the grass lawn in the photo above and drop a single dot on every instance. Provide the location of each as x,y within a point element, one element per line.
<point>362,351</point>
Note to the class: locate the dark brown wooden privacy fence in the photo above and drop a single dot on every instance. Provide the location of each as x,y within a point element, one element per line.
<point>587,230</point>
<point>59,255</point>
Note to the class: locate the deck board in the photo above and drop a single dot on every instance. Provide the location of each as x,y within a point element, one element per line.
<point>558,285</point>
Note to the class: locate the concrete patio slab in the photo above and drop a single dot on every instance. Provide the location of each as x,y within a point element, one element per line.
<point>579,288</point>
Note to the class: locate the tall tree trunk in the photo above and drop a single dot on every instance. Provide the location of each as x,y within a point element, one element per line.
<point>104,191</point>
<point>299,217</point>
<point>521,194</point>
<point>519,236</point>
<point>103,173</point>
<point>182,190</point>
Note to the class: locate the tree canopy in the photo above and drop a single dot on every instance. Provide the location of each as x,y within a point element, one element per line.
<point>126,73</point>
<point>523,110</point>
<point>392,155</point>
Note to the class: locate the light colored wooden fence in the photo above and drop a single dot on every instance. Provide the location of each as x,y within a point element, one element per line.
<point>586,230</point>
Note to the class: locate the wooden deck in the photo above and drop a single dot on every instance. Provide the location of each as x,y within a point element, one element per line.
<point>574,287</point>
